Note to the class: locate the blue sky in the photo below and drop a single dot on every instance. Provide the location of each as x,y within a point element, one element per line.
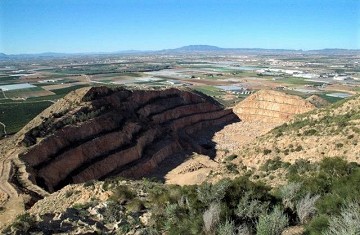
<point>33,26</point>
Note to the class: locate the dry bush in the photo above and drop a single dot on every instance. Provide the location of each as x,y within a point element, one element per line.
<point>305,208</point>
<point>273,223</point>
<point>289,193</point>
<point>347,223</point>
<point>211,217</point>
<point>227,228</point>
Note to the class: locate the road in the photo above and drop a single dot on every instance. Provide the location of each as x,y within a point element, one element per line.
<point>88,79</point>
<point>14,204</point>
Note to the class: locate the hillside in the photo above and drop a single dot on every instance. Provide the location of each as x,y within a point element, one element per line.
<point>328,132</point>
<point>100,132</point>
<point>300,175</point>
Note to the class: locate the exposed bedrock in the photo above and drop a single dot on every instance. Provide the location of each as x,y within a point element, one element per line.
<point>271,106</point>
<point>123,132</point>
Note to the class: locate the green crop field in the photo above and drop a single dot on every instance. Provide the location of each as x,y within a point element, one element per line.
<point>297,81</point>
<point>16,115</point>
<point>66,90</point>
<point>19,92</point>
<point>59,93</point>
<point>330,98</point>
<point>209,90</point>
<point>5,80</point>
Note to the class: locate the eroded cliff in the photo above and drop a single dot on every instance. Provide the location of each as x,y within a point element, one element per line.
<point>271,106</point>
<point>118,132</point>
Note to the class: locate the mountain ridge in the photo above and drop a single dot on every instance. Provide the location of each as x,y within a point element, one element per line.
<point>187,49</point>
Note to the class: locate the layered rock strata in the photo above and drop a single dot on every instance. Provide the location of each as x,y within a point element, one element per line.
<point>133,133</point>
<point>271,106</point>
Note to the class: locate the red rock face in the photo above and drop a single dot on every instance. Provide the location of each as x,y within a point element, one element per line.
<point>138,130</point>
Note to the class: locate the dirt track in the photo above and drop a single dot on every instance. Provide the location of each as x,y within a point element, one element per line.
<point>12,205</point>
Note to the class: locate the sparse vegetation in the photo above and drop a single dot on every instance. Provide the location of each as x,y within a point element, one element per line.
<point>273,164</point>
<point>317,196</point>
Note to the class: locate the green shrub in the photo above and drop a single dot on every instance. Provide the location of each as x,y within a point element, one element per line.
<point>339,145</point>
<point>135,205</point>
<point>122,193</point>
<point>113,212</point>
<point>299,168</point>
<point>68,193</point>
<point>272,223</point>
<point>23,224</point>
<point>348,222</point>
<point>250,209</point>
<point>266,151</point>
<point>231,167</point>
<point>310,132</point>
<point>317,225</point>
<point>89,183</point>
<point>208,193</point>
<point>231,157</point>
<point>289,194</point>
<point>272,164</point>
<point>227,228</point>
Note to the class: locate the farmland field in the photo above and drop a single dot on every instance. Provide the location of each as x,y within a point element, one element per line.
<point>209,90</point>
<point>296,81</point>
<point>4,80</point>
<point>16,115</point>
<point>29,92</point>
<point>54,77</point>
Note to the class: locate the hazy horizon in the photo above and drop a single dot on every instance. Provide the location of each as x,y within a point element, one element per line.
<point>110,26</point>
<point>164,49</point>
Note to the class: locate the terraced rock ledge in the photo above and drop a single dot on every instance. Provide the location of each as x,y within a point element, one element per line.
<point>118,132</point>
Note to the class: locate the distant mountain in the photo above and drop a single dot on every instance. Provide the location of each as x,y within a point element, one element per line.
<point>193,49</point>
<point>334,51</point>
<point>215,50</point>
<point>199,48</point>
<point>3,55</point>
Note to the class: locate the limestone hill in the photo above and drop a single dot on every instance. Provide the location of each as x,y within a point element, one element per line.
<point>317,101</point>
<point>271,106</point>
<point>119,132</point>
<point>328,132</point>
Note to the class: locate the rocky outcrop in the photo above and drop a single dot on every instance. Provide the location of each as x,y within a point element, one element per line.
<point>121,132</point>
<point>317,101</point>
<point>271,106</point>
